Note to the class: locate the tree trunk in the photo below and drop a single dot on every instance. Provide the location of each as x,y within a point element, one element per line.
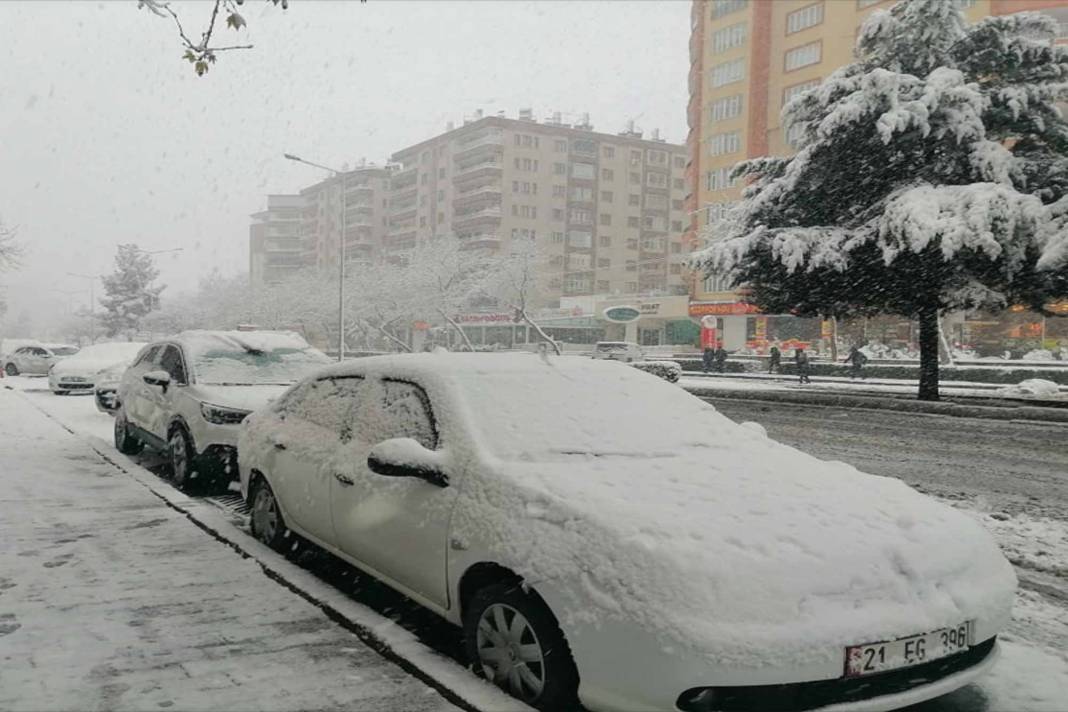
<point>945,352</point>
<point>538,329</point>
<point>834,339</point>
<point>929,354</point>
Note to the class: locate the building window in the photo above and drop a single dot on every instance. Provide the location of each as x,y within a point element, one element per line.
<point>802,56</point>
<point>723,143</point>
<point>966,4</point>
<point>580,216</point>
<point>582,192</point>
<point>632,243</point>
<point>656,180</point>
<point>717,211</point>
<point>558,214</point>
<point>727,72</point>
<point>560,146</point>
<point>583,170</point>
<point>632,266</point>
<point>728,107</point>
<point>680,161</point>
<point>608,175</point>
<point>604,240</point>
<point>721,8</point>
<point>560,169</point>
<point>636,178</point>
<point>559,191</point>
<point>676,225</point>
<point>861,4</point>
<point>794,133</point>
<point>602,286</point>
<point>608,151</point>
<point>606,219</point>
<point>603,263</point>
<point>558,237</point>
<point>658,157</point>
<point>632,221</point>
<point>797,89</point>
<point>804,18</point>
<point>716,283</point>
<point>580,238</point>
<point>676,248</point>
<point>635,158</point>
<point>584,145</point>
<point>679,184</point>
<point>676,204</point>
<point>441,172</point>
<point>720,179</point>
<point>606,196</point>
<point>728,38</point>
<point>633,199</point>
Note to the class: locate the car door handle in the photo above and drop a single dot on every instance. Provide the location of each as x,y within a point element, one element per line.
<point>279,446</point>
<point>347,481</point>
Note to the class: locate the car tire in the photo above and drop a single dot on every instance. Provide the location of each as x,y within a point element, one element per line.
<point>125,441</point>
<point>265,518</point>
<point>185,465</point>
<point>534,665</point>
<point>11,369</point>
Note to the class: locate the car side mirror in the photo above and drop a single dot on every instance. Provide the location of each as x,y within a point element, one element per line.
<point>405,457</point>
<point>157,378</point>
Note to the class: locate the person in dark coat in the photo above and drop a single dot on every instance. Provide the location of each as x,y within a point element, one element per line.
<point>721,360</point>
<point>707,358</point>
<point>856,360</point>
<point>775,362</point>
<point>803,366</point>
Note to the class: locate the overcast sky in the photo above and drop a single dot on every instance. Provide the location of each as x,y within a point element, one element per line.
<point>107,136</point>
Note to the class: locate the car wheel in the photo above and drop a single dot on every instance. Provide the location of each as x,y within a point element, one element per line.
<point>11,369</point>
<point>183,458</point>
<point>125,441</point>
<point>266,520</point>
<point>514,641</point>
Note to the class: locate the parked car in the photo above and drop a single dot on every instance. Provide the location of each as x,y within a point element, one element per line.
<point>626,351</point>
<point>186,395</point>
<point>676,561</point>
<point>81,371</point>
<point>36,360</point>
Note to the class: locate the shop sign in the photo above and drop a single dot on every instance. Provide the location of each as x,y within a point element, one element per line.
<point>622,315</point>
<point>761,328</point>
<point>648,308</point>
<point>493,318</point>
<point>723,309</point>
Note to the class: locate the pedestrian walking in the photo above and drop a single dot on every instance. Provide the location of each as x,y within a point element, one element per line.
<point>803,366</point>
<point>856,360</point>
<point>721,360</point>
<point>775,362</point>
<point>707,358</point>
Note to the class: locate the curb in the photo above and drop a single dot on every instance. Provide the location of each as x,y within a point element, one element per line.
<point>1033,413</point>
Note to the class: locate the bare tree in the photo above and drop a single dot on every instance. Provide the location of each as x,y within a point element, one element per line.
<point>11,250</point>
<point>519,284</point>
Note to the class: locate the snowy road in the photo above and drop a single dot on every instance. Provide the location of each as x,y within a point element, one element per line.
<point>991,470</point>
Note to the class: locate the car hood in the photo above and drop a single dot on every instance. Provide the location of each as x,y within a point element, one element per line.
<point>66,366</point>
<point>239,397</point>
<point>776,551</point>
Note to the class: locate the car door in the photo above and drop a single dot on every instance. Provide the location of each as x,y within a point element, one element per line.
<point>21,358</point>
<point>159,401</point>
<point>396,526</point>
<point>306,451</point>
<point>132,387</point>
<point>36,360</point>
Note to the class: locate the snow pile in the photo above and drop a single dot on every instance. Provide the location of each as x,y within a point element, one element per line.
<point>670,371</point>
<point>1038,355</point>
<point>1032,387</point>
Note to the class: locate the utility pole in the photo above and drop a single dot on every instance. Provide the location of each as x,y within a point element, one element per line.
<point>338,179</point>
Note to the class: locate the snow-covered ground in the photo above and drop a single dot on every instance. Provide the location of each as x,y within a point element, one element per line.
<point>1032,674</point>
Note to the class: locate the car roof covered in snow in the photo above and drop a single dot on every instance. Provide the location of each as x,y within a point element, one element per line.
<point>201,340</point>
<point>474,365</point>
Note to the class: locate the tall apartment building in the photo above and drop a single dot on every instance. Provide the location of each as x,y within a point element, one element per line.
<point>747,59</point>
<point>366,191</point>
<point>605,211</point>
<point>275,245</point>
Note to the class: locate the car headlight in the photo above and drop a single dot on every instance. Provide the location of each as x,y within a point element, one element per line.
<point>222,416</point>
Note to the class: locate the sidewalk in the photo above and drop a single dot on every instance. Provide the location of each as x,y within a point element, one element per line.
<point>112,600</point>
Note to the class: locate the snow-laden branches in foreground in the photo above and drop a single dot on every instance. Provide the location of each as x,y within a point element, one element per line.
<point>932,175</point>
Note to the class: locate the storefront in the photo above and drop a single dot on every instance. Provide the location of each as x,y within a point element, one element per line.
<point>656,321</point>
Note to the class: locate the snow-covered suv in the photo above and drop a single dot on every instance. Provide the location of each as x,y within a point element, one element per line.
<point>186,395</point>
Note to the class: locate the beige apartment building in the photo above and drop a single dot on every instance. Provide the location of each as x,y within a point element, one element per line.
<point>275,247</point>
<point>747,59</point>
<point>605,211</point>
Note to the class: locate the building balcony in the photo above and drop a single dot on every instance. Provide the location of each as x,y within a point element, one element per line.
<point>483,194</point>
<point>403,213</point>
<point>404,178</point>
<point>491,168</point>
<point>486,143</point>
<point>479,240</point>
<point>486,215</point>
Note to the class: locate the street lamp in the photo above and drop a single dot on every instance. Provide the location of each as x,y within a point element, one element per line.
<point>92,301</point>
<point>338,178</point>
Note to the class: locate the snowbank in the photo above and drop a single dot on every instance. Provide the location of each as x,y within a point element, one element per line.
<point>1032,387</point>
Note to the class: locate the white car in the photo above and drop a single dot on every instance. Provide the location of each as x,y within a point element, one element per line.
<point>36,360</point>
<point>83,370</point>
<point>626,351</point>
<point>186,396</point>
<point>676,561</point>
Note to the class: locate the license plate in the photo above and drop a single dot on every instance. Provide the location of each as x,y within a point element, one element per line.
<point>874,658</point>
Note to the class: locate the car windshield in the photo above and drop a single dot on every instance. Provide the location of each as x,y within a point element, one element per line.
<point>591,415</point>
<point>64,350</point>
<point>612,346</point>
<point>253,366</point>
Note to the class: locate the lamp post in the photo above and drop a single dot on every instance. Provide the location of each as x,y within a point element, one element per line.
<point>339,179</point>
<point>92,302</point>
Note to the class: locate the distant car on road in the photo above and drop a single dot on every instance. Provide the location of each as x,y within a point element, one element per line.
<point>626,351</point>
<point>36,360</point>
<point>186,395</point>
<point>81,371</point>
<point>677,561</point>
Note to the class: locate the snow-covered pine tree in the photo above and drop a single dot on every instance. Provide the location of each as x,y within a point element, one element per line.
<point>932,176</point>
<point>130,294</point>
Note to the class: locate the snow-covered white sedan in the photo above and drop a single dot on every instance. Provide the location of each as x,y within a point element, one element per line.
<point>186,396</point>
<point>82,371</point>
<point>602,534</point>
<point>36,360</point>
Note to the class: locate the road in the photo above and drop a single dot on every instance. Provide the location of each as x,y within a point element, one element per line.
<point>1017,467</point>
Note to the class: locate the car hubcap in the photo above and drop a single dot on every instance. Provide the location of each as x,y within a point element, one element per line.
<point>178,456</point>
<point>510,652</point>
<point>265,515</point>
